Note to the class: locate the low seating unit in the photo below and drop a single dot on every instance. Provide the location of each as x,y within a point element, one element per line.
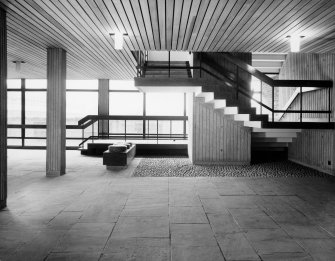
<point>119,155</point>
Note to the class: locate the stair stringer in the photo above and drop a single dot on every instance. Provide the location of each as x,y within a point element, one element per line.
<point>217,140</point>
<point>261,138</point>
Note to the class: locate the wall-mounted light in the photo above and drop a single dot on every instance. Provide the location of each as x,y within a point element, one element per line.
<point>295,42</point>
<point>118,40</point>
<point>18,66</point>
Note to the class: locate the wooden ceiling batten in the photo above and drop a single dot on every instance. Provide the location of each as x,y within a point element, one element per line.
<point>178,9</point>
<point>212,24</point>
<point>309,14</point>
<point>317,19</point>
<point>256,11</point>
<point>143,6</point>
<point>198,22</point>
<point>279,25</point>
<point>183,23</point>
<point>153,11</point>
<point>82,27</point>
<point>209,16</point>
<point>190,24</point>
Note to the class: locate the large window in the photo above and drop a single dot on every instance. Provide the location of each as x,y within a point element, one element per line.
<point>36,105</point>
<point>165,104</point>
<point>126,103</point>
<point>14,107</point>
<point>80,104</point>
<point>27,101</point>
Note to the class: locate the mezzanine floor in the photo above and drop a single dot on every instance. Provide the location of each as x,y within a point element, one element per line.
<point>94,214</point>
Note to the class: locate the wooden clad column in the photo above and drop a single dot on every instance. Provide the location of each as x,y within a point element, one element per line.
<point>56,111</point>
<point>103,106</point>
<point>3,109</point>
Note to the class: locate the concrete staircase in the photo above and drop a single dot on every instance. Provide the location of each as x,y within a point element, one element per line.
<point>262,139</point>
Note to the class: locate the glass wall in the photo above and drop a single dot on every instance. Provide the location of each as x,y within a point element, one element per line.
<point>125,103</point>
<point>27,111</point>
<point>36,107</point>
<point>165,104</point>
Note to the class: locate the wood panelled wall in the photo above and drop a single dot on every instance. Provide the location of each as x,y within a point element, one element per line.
<point>103,105</point>
<point>223,91</point>
<point>216,139</point>
<point>313,100</point>
<point>312,147</point>
<point>3,109</point>
<point>56,112</point>
<point>307,66</point>
<point>315,149</point>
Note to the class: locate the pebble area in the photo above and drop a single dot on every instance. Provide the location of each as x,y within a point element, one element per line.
<point>182,167</point>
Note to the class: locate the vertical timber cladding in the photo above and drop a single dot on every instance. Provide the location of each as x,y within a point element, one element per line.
<point>216,139</point>
<point>308,66</point>
<point>103,106</point>
<point>3,109</point>
<point>56,111</point>
<point>224,91</point>
<point>315,148</point>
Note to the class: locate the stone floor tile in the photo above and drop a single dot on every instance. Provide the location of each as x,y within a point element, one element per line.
<point>269,241</point>
<point>305,231</point>
<point>252,218</point>
<point>147,202</point>
<point>184,201</point>
<point>100,214</point>
<point>209,192</point>
<point>137,249</point>
<point>38,247</point>
<point>213,206</point>
<point>236,247</point>
<point>143,211</point>
<point>65,220</point>
<point>223,224</point>
<point>192,235</point>
<point>70,256</point>
<point>77,242</point>
<point>196,253</point>
<point>324,248</point>
<point>119,244</point>
<point>234,201</point>
<point>287,257</point>
<point>141,227</point>
<point>234,188</point>
<point>187,215</point>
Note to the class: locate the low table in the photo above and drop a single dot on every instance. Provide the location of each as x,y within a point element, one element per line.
<point>116,160</point>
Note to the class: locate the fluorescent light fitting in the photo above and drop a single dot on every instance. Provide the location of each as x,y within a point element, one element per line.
<point>18,65</point>
<point>118,40</point>
<point>295,43</point>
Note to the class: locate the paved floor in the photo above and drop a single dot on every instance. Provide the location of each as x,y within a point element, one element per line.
<point>94,214</point>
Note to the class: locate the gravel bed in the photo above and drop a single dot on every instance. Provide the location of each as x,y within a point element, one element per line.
<point>182,167</point>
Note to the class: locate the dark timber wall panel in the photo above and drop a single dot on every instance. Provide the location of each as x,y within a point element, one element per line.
<point>3,109</point>
<point>217,140</point>
<point>315,148</point>
<point>103,105</point>
<point>223,91</point>
<point>56,108</point>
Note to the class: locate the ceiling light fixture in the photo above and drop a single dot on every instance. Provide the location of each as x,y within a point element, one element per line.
<point>295,43</point>
<point>18,65</point>
<point>118,40</point>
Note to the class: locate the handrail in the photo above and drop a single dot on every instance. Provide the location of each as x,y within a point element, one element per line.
<point>232,79</point>
<point>129,117</point>
<point>111,136</point>
<point>248,68</point>
<point>306,83</point>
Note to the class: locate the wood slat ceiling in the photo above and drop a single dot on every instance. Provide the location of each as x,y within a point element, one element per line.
<point>82,27</point>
